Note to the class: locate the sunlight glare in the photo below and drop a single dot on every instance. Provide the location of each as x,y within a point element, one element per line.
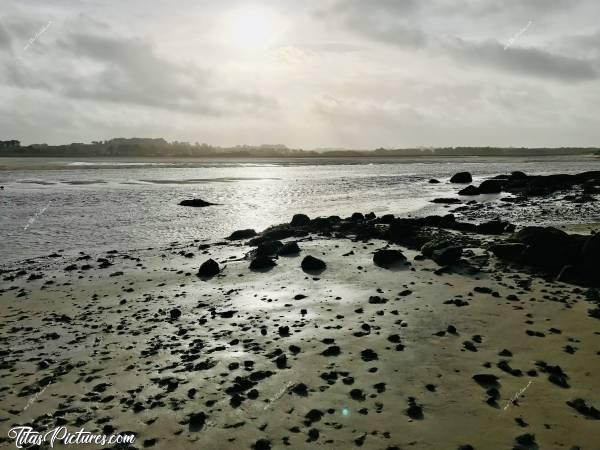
<point>253,29</point>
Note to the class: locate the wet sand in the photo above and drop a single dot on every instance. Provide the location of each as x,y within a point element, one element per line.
<point>356,356</point>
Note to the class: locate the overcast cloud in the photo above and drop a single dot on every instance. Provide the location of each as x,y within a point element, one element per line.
<point>322,73</point>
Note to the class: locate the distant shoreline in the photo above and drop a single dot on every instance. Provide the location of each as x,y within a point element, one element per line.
<point>160,148</point>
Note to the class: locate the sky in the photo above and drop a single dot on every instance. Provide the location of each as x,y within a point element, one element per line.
<point>308,74</point>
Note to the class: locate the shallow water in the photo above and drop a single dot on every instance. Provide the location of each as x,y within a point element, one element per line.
<point>52,204</point>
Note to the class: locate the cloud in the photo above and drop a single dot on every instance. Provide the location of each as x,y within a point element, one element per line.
<point>5,40</point>
<point>524,60</point>
<point>426,27</point>
<point>126,70</point>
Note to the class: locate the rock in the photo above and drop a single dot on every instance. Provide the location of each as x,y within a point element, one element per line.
<point>469,190</point>
<point>300,389</point>
<point>590,252</point>
<point>496,226</point>
<point>487,381</point>
<point>175,313</point>
<point>262,263</point>
<point>508,251</point>
<point>490,187</point>
<point>581,407</point>
<point>447,255</point>
<point>388,258</point>
<point>242,234</point>
<point>414,411</point>
<point>434,181</point>
<point>289,248</point>
<point>312,264</point>
<point>262,444</point>
<point>209,268</point>
<point>517,175</point>
<point>546,246</point>
<point>334,350</point>
<point>300,220</point>
<point>368,355</point>
<point>357,217</point>
<point>447,201</point>
<point>197,421</point>
<point>526,442</point>
<point>461,177</point>
<point>435,244</point>
<point>268,248</point>
<point>196,202</point>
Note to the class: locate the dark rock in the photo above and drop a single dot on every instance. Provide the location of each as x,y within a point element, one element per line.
<point>435,244</point>
<point>496,226</point>
<point>334,350</point>
<point>358,395</point>
<point>300,389</point>
<point>197,421</point>
<point>175,313</point>
<point>289,248</point>
<point>388,258</point>
<point>508,251</point>
<point>209,268</point>
<point>300,220</point>
<point>314,415</point>
<point>447,255</point>
<point>268,248</point>
<point>461,177</point>
<point>581,407</point>
<point>546,246</point>
<point>434,181</point>
<point>196,202</point>
<point>469,190</point>
<point>357,217</point>
<point>262,444</point>
<point>490,187</point>
<point>414,411</point>
<point>447,201</point>
<point>487,381</point>
<point>526,442</point>
<point>262,263</point>
<point>368,355</point>
<point>242,234</point>
<point>312,264</point>
<point>517,175</point>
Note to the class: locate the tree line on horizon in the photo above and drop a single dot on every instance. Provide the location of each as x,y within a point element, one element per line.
<point>159,147</point>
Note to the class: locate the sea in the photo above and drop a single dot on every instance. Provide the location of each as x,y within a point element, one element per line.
<point>94,205</point>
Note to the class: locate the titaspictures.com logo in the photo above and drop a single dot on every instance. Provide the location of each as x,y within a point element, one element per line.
<point>25,436</point>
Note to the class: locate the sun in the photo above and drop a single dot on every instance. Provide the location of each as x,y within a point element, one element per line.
<point>252,29</point>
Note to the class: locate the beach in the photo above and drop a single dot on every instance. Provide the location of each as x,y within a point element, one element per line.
<point>390,345</point>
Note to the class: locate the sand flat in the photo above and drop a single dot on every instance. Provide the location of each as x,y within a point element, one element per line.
<point>140,359</point>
